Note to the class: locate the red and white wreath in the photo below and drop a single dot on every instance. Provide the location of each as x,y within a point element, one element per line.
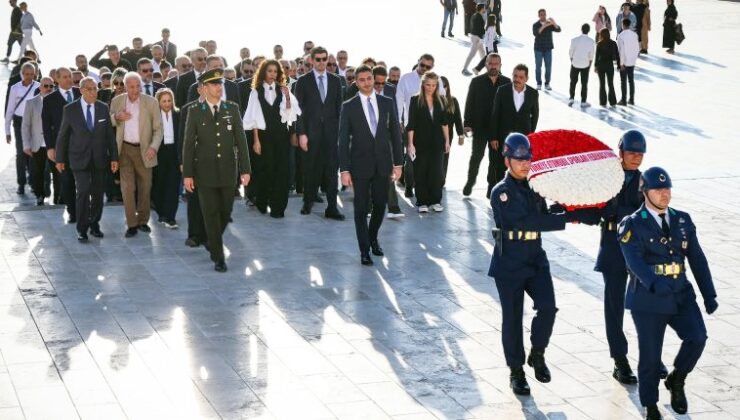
<point>574,169</point>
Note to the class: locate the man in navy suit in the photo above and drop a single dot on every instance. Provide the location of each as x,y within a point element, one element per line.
<point>87,141</point>
<point>320,95</point>
<point>370,153</point>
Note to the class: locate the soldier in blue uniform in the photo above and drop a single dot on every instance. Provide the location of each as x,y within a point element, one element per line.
<point>519,264</point>
<point>610,262</point>
<point>655,241</point>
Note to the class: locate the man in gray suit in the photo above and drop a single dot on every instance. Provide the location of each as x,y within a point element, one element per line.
<point>87,141</point>
<point>33,140</point>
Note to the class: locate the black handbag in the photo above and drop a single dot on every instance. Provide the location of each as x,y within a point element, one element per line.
<point>679,34</point>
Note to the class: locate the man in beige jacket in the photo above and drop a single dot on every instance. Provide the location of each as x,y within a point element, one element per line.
<point>138,125</point>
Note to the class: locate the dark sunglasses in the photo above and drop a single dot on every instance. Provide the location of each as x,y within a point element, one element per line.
<point>331,64</point>
<point>379,83</point>
<point>424,66</point>
<point>48,86</point>
<point>320,59</point>
<point>146,70</point>
<point>117,83</point>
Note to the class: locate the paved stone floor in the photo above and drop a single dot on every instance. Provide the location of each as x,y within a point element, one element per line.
<point>143,328</point>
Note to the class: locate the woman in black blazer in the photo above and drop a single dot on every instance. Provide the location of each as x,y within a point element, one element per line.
<point>454,122</point>
<point>607,53</point>
<point>428,143</point>
<point>166,175</point>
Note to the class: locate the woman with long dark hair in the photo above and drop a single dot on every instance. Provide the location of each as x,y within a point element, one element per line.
<point>271,114</point>
<point>607,52</point>
<point>454,121</point>
<point>428,143</point>
<point>669,27</point>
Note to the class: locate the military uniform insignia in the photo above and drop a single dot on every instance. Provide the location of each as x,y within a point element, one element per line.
<point>627,236</point>
<point>503,197</point>
<point>681,220</point>
<point>684,244</point>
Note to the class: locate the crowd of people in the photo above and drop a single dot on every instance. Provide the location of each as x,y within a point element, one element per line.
<point>153,128</point>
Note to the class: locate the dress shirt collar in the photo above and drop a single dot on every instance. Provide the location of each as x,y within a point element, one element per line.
<point>63,92</point>
<point>210,105</point>
<point>372,96</point>
<point>316,74</point>
<point>656,216</point>
<point>268,86</point>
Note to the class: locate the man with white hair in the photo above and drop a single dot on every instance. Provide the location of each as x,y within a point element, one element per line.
<point>18,95</point>
<point>138,125</point>
<point>33,140</point>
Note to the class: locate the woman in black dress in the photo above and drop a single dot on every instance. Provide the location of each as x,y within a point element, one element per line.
<point>428,143</point>
<point>271,114</point>
<point>607,52</point>
<point>669,27</point>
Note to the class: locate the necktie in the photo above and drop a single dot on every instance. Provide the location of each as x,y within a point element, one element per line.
<point>322,91</point>
<point>148,88</point>
<point>89,118</point>
<point>373,118</point>
<point>215,112</point>
<point>69,96</point>
<point>664,225</point>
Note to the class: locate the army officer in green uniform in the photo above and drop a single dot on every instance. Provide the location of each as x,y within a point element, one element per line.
<point>214,150</point>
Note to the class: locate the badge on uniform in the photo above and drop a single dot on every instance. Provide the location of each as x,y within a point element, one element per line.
<point>503,197</point>
<point>684,244</point>
<point>681,220</point>
<point>627,236</point>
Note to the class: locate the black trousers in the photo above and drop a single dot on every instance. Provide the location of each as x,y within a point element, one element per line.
<point>39,174</point>
<point>250,191</point>
<point>496,167</point>
<point>90,183</point>
<point>166,183</point>
<point>606,78</point>
<point>274,168</point>
<point>375,188</point>
<point>216,204</point>
<point>196,226</point>
<point>320,168</point>
<point>56,181</point>
<point>428,175</point>
<point>574,73</point>
<point>12,39</point>
<point>69,192</point>
<point>628,75</point>
<point>22,161</point>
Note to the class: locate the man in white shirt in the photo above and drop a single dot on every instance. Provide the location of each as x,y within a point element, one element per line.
<point>629,49</point>
<point>342,59</point>
<point>19,94</point>
<point>581,56</point>
<point>33,140</point>
<point>157,57</point>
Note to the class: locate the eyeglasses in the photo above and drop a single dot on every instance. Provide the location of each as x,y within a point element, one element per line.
<point>146,70</point>
<point>424,66</point>
<point>350,78</point>
<point>379,83</point>
<point>320,59</point>
<point>186,66</point>
<point>117,83</point>
<point>331,64</point>
<point>48,86</point>
<point>248,72</point>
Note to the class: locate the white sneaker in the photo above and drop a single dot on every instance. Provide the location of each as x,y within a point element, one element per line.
<point>423,209</point>
<point>437,207</point>
<point>392,215</point>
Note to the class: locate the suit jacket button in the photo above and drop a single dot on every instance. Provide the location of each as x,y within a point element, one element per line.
<point>218,144</point>
<point>218,155</point>
<point>218,134</point>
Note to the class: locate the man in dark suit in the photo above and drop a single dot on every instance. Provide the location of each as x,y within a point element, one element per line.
<point>145,68</point>
<point>170,49</point>
<point>320,95</point>
<point>230,89</point>
<point>87,141</point>
<point>51,120</point>
<point>478,108</point>
<point>515,109</point>
<point>370,153</point>
<point>185,80</point>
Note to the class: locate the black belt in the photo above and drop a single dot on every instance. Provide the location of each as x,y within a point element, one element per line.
<point>521,235</point>
<point>132,144</point>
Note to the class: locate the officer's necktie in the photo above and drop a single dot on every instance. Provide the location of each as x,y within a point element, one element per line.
<point>69,96</point>
<point>148,88</point>
<point>664,225</point>
<point>373,118</point>
<point>322,91</point>
<point>89,118</point>
<point>215,112</point>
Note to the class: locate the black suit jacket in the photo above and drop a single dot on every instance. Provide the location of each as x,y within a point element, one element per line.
<point>82,148</point>
<point>232,92</point>
<point>183,85</point>
<point>359,152</point>
<point>388,90</point>
<point>479,103</point>
<point>51,115</point>
<point>506,119</point>
<point>320,120</point>
<point>171,53</point>
<point>171,84</point>
<point>182,120</point>
<point>245,88</point>
<point>428,131</point>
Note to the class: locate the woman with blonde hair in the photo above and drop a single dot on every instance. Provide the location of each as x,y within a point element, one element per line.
<point>166,175</point>
<point>428,143</point>
<point>271,115</point>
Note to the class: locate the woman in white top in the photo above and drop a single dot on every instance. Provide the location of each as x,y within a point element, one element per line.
<point>166,182</point>
<point>271,114</point>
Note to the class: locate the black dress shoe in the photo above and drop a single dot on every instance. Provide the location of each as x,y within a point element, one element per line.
<point>71,220</point>
<point>376,249</point>
<point>306,209</point>
<point>334,215</point>
<point>277,215</point>
<point>81,237</point>
<point>220,266</point>
<point>192,242</point>
<point>652,413</point>
<point>262,208</point>
<point>318,199</point>
<point>96,232</point>
<point>145,228</point>
<point>467,189</point>
<point>39,201</point>
<point>518,382</point>
<point>365,259</point>
<point>450,34</point>
<point>21,190</point>
<point>409,193</point>
<point>536,360</point>
<point>131,232</point>
<point>662,371</point>
<point>675,384</point>
<point>622,102</point>
<point>623,372</point>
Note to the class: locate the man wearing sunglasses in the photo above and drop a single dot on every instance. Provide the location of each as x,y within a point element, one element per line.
<point>33,140</point>
<point>146,70</point>
<point>187,79</point>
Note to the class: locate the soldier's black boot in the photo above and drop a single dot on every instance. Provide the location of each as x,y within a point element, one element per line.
<point>652,413</point>
<point>518,382</point>
<point>623,372</point>
<point>675,383</point>
<point>536,360</point>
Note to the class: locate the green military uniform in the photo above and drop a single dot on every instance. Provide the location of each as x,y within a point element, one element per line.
<point>214,151</point>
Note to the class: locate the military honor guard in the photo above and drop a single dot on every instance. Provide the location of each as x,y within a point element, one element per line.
<point>214,152</point>
<point>519,264</point>
<point>656,240</point>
